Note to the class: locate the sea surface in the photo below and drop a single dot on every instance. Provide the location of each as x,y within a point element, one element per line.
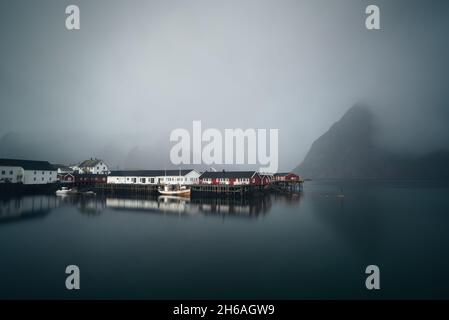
<point>316,244</point>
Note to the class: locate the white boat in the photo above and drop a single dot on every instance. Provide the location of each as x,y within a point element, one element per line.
<point>173,198</point>
<point>65,191</point>
<point>182,191</point>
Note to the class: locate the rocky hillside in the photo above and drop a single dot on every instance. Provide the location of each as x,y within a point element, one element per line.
<point>348,150</point>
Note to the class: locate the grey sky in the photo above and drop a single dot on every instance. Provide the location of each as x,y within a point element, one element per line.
<point>138,69</point>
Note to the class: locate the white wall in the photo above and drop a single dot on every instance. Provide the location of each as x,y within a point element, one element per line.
<point>131,180</point>
<point>128,180</point>
<point>61,171</point>
<point>190,178</point>
<point>11,174</point>
<point>17,175</point>
<point>39,176</point>
<point>100,168</point>
<point>171,180</point>
<point>116,180</point>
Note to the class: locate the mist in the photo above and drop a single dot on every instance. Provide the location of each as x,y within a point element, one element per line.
<point>139,69</point>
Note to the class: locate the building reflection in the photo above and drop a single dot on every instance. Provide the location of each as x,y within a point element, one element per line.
<point>163,204</point>
<point>13,209</point>
<point>243,207</point>
<point>225,207</point>
<point>189,207</point>
<point>86,205</point>
<point>26,207</point>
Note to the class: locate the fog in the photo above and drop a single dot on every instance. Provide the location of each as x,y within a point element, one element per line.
<point>139,69</point>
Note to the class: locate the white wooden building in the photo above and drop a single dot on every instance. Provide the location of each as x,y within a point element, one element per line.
<point>92,166</point>
<point>170,177</point>
<point>27,171</point>
<point>62,169</point>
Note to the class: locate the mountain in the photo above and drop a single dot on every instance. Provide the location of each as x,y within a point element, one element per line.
<point>348,150</point>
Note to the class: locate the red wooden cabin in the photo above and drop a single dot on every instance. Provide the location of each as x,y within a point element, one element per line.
<point>286,176</point>
<point>231,178</point>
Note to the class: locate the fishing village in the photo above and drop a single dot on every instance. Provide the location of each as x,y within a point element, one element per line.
<point>93,176</point>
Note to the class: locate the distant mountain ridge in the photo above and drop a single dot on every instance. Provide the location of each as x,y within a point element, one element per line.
<point>348,150</point>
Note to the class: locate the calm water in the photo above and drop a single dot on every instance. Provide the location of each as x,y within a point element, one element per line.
<point>315,245</point>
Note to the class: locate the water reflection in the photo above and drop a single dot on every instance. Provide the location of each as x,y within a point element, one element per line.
<point>288,199</point>
<point>87,205</point>
<point>160,205</point>
<point>250,207</point>
<point>225,207</point>
<point>14,209</point>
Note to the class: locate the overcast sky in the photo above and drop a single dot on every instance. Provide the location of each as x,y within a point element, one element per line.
<point>139,69</point>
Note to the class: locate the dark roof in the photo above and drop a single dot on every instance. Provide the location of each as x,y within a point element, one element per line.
<point>227,174</point>
<point>88,175</point>
<point>149,173</point>
<point>89,163</point>
<point>61,166</point>
<point>283,174</point>
<point>27,164</point>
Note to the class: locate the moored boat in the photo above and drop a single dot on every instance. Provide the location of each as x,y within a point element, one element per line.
<point>182,191</point>
<point>64,191</point>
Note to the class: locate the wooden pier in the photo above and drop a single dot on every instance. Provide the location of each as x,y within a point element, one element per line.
<point>246,190</point>
<point>206,190</point>
<point>123,189</point>
<point>287,186</point>
<point>197,190</point>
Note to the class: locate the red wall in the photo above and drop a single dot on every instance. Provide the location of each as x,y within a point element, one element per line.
<point>292,177</point>
<point>256,180</point>
<point>265,180</point>
<point>288,177</point>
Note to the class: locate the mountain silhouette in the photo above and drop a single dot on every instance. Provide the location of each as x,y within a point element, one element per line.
<point>348,150</point>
